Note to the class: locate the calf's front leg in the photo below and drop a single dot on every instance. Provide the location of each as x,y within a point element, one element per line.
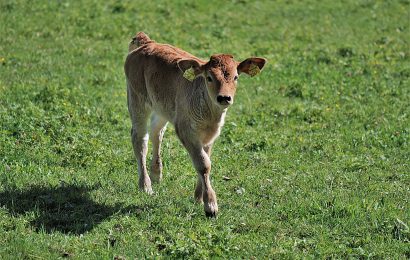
<point>198,188</point>
<point>202,164</point>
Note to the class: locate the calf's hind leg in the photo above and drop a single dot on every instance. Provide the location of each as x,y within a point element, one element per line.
<point>158,126</point>
<point>140,145</point>
<point>139,137</point>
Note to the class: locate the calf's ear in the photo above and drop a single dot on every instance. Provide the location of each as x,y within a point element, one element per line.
<point>190,68</point>
<point>251,66</point>
<point>184,65</point>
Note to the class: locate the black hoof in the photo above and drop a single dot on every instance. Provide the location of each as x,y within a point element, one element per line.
<point>210,214</point>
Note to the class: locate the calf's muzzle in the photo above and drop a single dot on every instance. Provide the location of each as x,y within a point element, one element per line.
<point>224,100</point>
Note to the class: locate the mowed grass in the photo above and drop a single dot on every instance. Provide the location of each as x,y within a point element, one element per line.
<point>313,161</point>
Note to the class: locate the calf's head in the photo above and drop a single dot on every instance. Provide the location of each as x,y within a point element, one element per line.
<point>221,74</point>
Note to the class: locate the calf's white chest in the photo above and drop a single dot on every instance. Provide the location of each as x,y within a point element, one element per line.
<point>208,131</point>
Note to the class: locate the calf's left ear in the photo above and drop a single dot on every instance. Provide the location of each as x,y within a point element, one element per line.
<point>251,66</point>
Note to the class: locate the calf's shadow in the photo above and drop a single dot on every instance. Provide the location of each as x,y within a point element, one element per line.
<point>66,208</point>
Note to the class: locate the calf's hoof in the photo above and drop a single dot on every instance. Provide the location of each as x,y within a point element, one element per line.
<point>147,190</point>
<point>211,209</point>
<point>210,214</point>
<point>156,171</point>
<point>156,177</point>
<point>145,186</point>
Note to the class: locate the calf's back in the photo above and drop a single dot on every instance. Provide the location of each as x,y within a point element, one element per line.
<point>154,77</point>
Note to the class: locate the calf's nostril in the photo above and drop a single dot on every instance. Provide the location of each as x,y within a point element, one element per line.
<point>223,99</point>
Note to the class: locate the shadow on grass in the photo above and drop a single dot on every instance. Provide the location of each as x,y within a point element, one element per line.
<point>67,208</point>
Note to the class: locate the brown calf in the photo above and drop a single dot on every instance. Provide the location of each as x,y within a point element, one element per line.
<point>159,85</point>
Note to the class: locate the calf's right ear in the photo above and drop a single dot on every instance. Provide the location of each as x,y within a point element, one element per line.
<point>184,65</point>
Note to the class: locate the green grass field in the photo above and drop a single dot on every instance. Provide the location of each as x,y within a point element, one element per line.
<point>316,148</point>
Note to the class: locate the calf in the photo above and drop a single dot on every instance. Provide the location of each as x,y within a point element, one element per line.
<point>172,85</point>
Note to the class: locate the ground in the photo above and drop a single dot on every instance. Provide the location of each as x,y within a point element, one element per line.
<point>313,161</point>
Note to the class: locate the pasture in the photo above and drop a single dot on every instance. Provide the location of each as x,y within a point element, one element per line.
<point>313,160</point>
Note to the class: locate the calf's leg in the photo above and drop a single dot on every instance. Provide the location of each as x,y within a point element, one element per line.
<point>198,188</point>
<point>202,164</point>
<point>139,136</point>
<point>158,126</point>
<point>139,139</point>
<point>208,149</point>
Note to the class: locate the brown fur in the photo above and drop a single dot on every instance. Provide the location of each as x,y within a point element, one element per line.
<point>156,87</point>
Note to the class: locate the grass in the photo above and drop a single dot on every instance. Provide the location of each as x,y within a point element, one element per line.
<point>316,147</point>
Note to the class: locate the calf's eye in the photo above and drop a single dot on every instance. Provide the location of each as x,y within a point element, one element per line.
<point>235,78</point>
